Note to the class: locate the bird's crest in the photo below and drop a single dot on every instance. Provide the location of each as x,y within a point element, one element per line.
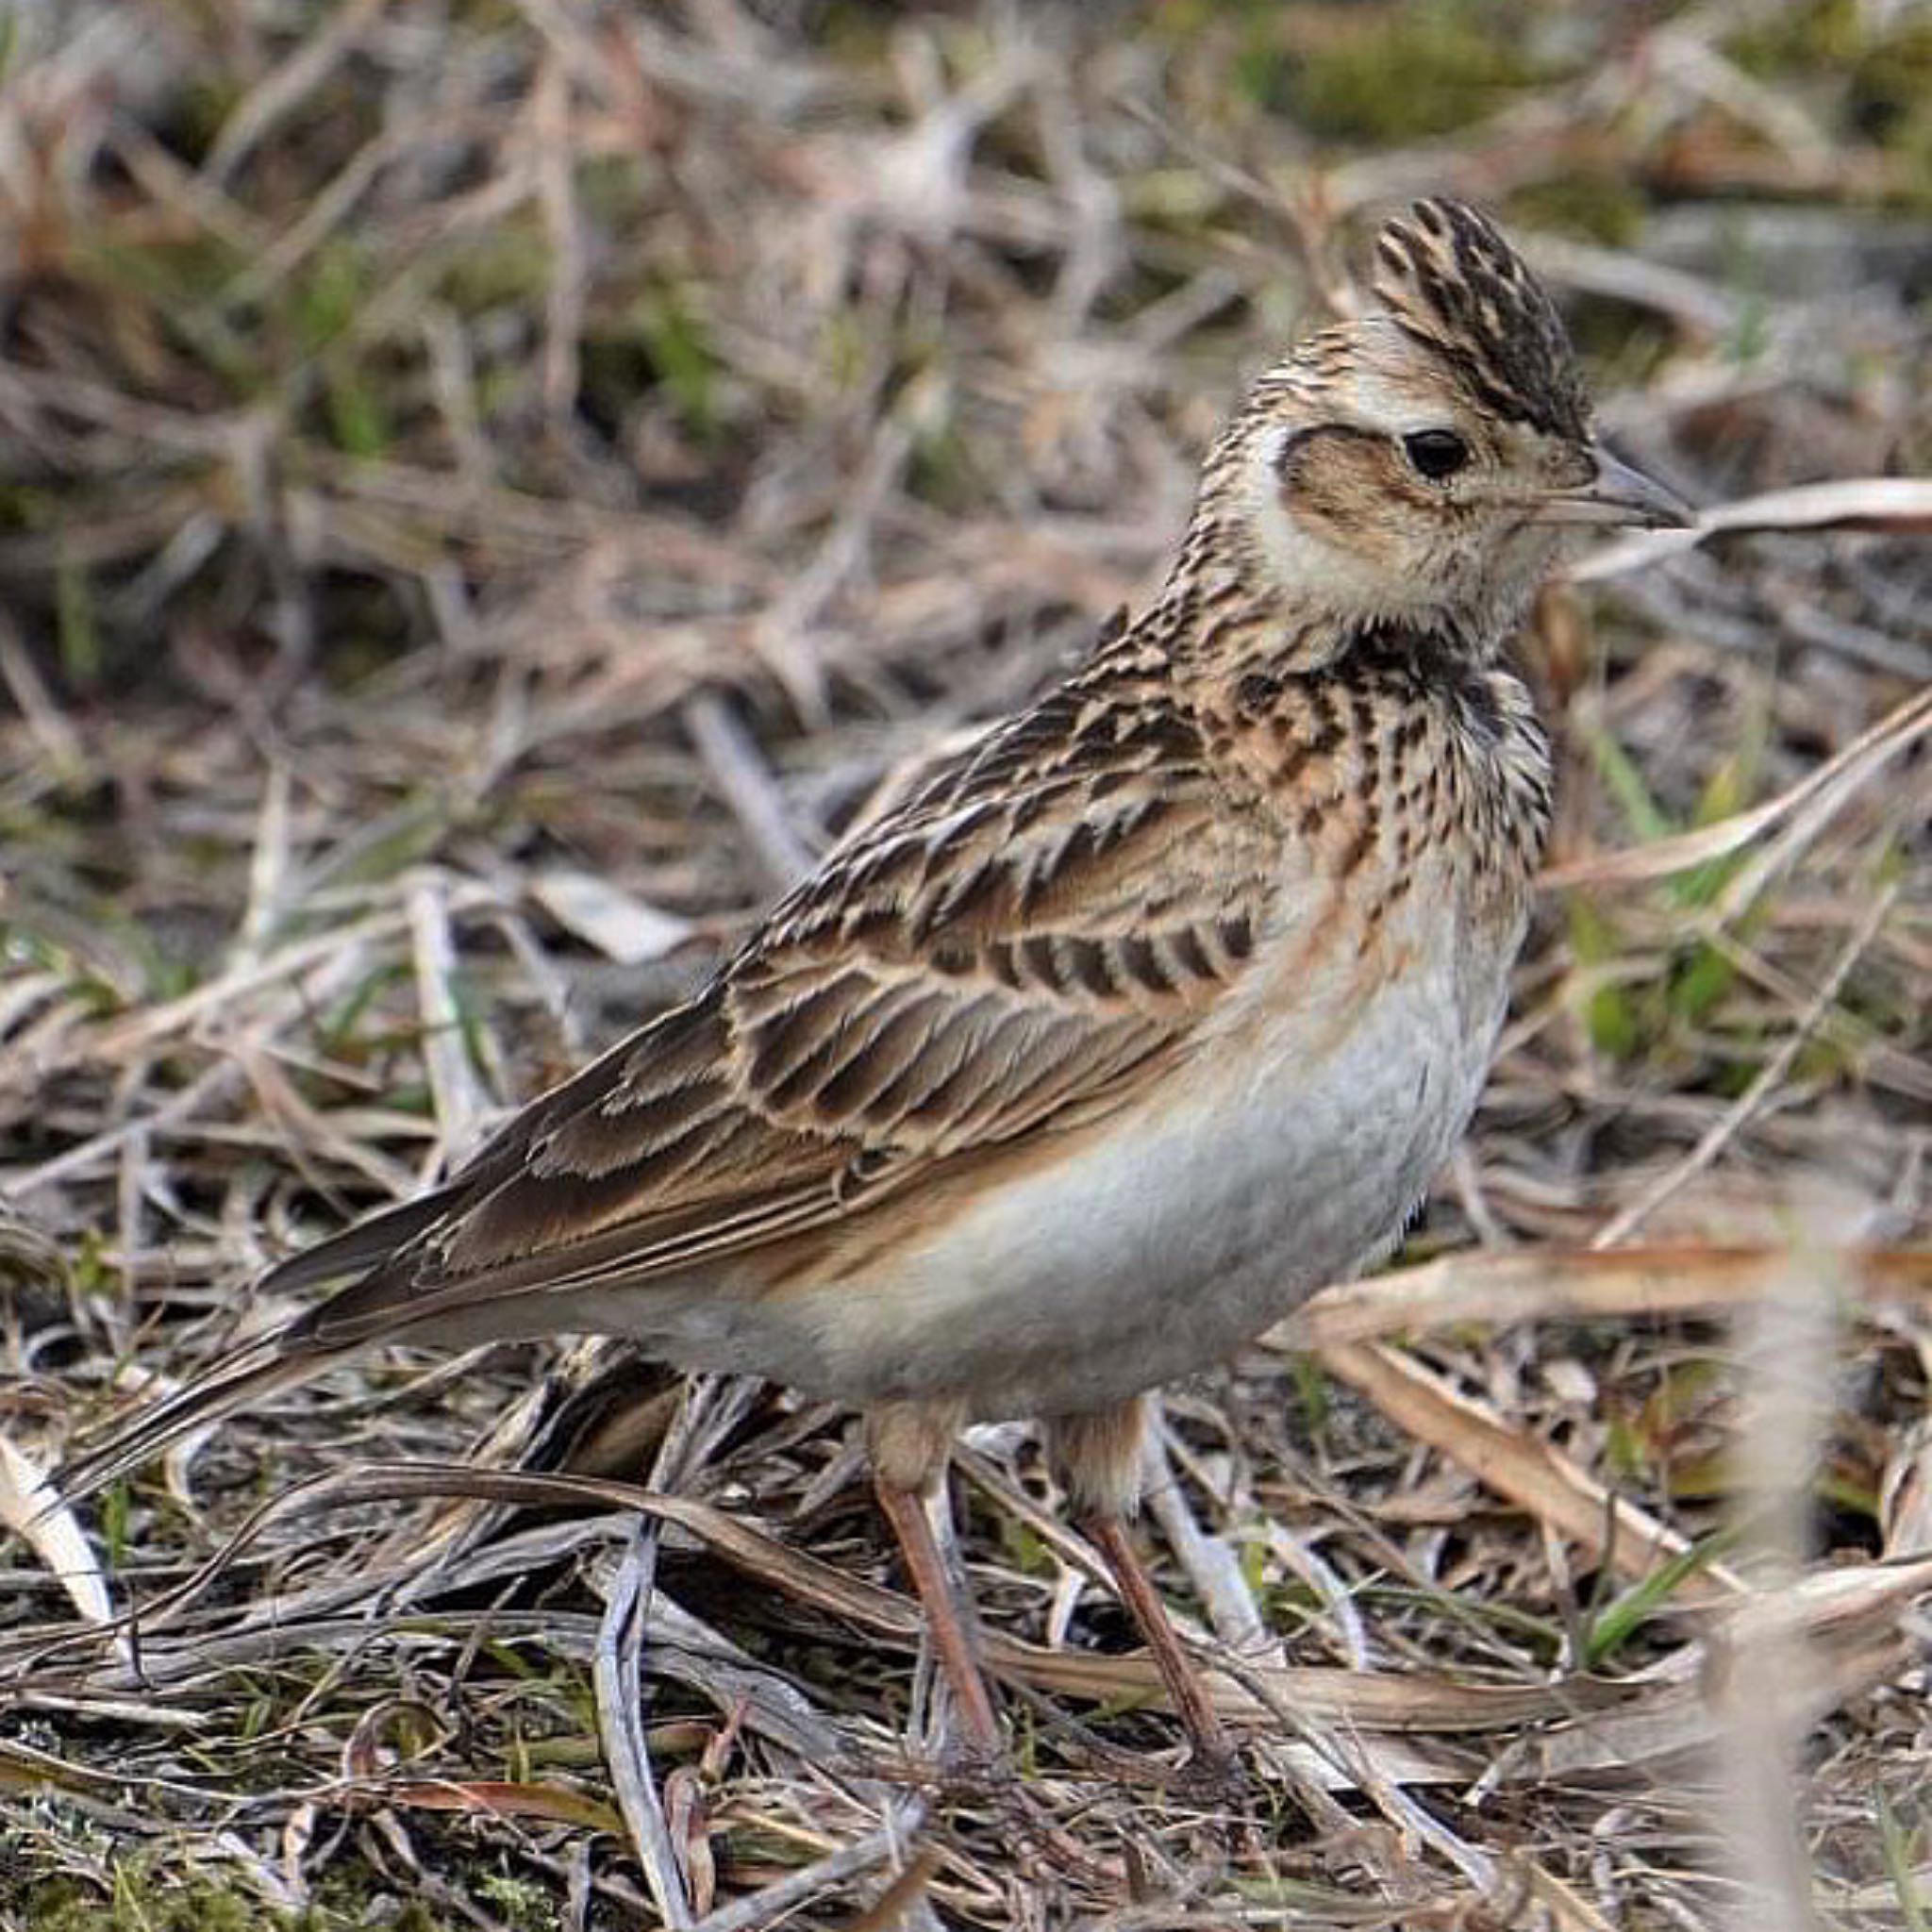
<point>1448,277</point>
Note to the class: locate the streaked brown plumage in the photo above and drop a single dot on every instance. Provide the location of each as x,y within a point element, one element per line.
<point>1142,1016</point>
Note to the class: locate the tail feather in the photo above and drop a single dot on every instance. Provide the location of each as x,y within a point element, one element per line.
<point>233,1382</point>
<point>364,1245</point>
<point>295,1352</point>
<point>381,1236</point>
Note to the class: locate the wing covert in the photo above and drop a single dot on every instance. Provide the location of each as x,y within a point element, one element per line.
<point>1032,932</point>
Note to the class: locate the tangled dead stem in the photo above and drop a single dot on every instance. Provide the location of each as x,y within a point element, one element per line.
<point>485,493</point>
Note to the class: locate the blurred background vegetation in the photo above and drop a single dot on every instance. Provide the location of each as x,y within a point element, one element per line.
<point>488,488</point>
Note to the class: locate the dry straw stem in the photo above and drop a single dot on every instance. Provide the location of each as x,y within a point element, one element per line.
<point>1515,1464</point>
<point>1803,811</point>
<point>30,1508</point>
<point>1788,1340</point>
<point>487,493</point>
<point>1628,1283</point>
<point>1362,1716</point>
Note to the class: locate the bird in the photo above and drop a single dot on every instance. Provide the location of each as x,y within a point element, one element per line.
<point>1135,1020</point>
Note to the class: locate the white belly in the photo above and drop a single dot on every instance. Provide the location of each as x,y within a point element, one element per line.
<point>1158,1248</point>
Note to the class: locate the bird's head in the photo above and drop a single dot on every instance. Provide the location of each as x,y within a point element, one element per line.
<point>1421,465</point>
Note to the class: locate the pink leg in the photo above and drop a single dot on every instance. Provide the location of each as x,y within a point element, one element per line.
<point>1100,1458</point>
<point>1184,1682</point>
<point>952,1641</point>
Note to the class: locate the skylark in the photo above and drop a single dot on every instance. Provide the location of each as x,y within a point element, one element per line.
<point>1145,1015</point>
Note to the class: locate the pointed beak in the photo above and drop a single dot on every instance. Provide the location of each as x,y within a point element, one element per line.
<point>1617,496</point>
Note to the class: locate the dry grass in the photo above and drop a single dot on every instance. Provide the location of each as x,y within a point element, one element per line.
<point>485,492</point>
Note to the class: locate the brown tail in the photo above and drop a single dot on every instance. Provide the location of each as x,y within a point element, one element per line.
<point>275,1362</point>
<point>257,1369</point>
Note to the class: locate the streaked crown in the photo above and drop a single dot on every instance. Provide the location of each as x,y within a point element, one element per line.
<point>1447,277</point>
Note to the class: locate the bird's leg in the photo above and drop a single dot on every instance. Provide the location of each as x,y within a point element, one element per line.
<point>1100,1460</point>
<point>1184,1682</point>
<point>910,1445</point>
<point>952,1641</point>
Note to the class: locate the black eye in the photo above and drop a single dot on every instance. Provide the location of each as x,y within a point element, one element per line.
<point>1436,452</point>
